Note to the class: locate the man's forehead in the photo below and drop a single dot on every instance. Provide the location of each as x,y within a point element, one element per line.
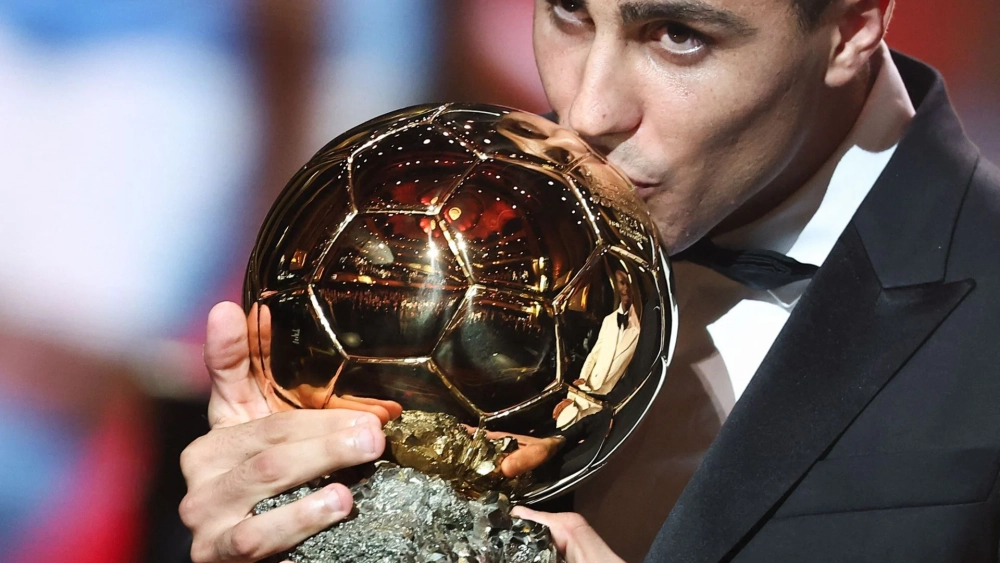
<point>731,14</point>
<point>719,5</point>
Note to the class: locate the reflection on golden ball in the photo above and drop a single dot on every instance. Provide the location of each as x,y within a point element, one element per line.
<point>471,260</point>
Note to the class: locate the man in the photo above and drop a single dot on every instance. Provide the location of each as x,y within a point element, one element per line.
<point>615,344</point>
<point>850,417</point>
<point>607,360</point>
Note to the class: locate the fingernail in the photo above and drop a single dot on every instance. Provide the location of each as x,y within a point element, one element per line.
<point>364,441</point>
<point>331,499</point>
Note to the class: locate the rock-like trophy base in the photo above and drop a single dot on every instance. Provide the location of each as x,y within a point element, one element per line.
<point>405,516</point>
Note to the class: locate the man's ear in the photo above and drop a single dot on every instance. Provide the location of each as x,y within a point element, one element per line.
<point>860,28</point>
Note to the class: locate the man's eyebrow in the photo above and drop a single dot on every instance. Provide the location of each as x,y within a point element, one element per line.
<point>684,11</point>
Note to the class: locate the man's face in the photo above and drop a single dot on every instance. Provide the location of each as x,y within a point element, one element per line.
<point>621,280</point>
<point>702,103</point>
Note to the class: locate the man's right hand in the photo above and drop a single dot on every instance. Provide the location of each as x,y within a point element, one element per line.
<point>250,454</point>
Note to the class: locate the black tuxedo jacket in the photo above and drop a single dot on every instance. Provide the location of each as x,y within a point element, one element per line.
<point>871,431</point>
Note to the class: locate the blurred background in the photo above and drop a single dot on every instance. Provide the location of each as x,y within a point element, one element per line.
<point>141,143</point>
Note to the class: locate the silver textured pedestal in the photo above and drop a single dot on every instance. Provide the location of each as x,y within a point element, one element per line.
<point>405,516</point>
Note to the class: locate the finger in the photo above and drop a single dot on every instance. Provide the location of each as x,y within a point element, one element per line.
<point>522,440</point>
<point>490,434</point>
<point>528,513</point>
<point>523,460</point>
<point>559,524</point>
<point>222,449</point>
<point>381,409</point>
<point>393,408</point>
<point>235,396</point>
<point>254,338</point>
<point>549,519</point>
<point>519,462</point>
<point>554,520</point>
<point>286,465</point>
<point>263,535</point>
<point>572,536</point>
<point>263,326</point>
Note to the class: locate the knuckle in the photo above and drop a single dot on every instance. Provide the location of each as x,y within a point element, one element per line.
<point>190,459</point>
<point>187,461</point>
<point>202,552</point>
<point>267,468</point>
<point>198,553</point>
<point>574,523</point>
<point>245,543</point>
<point>276,428</point>
<point>575,519</point>
<point>190,467</point>
<point>188,510</point>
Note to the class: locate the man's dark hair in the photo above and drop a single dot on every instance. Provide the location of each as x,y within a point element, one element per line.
<point>811,11</point>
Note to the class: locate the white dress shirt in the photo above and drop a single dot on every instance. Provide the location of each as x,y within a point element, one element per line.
<point>726,329</point>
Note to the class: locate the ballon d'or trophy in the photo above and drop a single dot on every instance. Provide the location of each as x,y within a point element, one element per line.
<point>487,273</point>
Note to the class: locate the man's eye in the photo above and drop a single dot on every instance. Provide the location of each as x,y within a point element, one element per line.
<point>569,11</point>
<point>567,5</point>
<point>679,39</point>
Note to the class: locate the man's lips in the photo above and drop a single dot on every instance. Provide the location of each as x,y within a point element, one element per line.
<point>644,189</point>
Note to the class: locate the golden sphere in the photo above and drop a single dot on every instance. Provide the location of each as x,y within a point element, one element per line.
<point>473,260</point>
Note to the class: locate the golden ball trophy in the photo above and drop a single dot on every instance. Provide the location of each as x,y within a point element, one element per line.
<point>487,273</point>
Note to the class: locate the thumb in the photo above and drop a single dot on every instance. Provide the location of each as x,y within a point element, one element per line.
<point>560,524</point>
<point>572,536</point>
<point>235,396</point>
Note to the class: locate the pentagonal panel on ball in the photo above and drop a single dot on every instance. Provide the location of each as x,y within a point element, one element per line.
<point>514,135</point>
<point>519,227</point>
<point>500,351</point>
<point>389,285</point>
<point>618,212</point>
<point>414,385</point>
<point>409,170</point>
<point>296,354</point>
<point>310,212</point>
<point>372,129</point>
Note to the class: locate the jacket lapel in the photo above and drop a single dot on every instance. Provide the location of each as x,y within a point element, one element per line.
<point>629,336</point>
<point>805,394</point>
<point>869,308</point>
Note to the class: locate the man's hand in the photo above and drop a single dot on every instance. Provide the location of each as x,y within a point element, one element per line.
<point>572,535</point>
<point>531,452</point>
<point>250,454</point>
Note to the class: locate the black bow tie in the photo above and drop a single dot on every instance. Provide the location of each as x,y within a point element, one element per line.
<point>622,320</point>
<point>756,269</point>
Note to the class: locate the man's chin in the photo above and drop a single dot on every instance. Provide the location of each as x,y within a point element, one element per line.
<point>672,240</point>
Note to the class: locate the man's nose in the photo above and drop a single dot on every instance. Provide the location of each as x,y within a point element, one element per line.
<point>605,106</point>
